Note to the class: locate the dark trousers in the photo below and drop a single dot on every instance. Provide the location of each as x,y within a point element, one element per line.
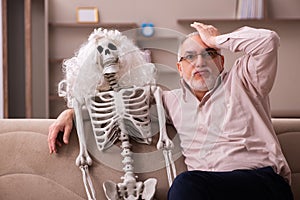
<point>258,184</point>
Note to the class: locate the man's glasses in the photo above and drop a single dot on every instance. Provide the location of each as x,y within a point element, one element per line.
<point>208,54</point>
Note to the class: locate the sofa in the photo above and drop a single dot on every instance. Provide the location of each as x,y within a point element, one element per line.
<point>28,171</point>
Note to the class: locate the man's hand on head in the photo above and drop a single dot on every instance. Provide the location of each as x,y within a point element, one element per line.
<point>207,33</point>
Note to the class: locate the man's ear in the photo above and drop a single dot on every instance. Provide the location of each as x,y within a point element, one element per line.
<point>222,60</point>
<point>179,68</point>
<point>220,63</point>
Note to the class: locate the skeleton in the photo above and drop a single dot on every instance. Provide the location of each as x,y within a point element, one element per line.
<point>118,105</point>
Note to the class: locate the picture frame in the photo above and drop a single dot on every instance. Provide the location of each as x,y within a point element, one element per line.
<point>87,15</point>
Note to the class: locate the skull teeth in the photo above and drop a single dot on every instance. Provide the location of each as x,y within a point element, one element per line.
<point>110,62</point>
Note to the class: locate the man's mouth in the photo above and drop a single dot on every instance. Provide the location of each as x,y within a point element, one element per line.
<point>203,73</point>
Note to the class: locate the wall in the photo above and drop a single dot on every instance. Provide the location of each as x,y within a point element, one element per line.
<point>164,14</point>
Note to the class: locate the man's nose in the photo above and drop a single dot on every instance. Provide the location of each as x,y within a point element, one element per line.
<point>199,61</point>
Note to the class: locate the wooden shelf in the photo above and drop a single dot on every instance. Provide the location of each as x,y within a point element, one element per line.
<point>190,21</point>
<point>103,25</point>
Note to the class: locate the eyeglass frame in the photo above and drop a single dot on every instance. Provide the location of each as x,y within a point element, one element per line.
<point>216,53</point>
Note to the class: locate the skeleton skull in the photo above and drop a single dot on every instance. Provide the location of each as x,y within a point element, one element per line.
<point>109,59</point>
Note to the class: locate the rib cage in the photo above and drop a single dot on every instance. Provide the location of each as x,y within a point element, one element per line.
<point>108,109</point>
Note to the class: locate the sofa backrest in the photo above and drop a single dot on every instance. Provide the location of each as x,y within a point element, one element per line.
<point>288,133</point>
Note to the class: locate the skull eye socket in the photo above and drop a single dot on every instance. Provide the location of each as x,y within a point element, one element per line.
<point>100,49</point>
<point>112,46</point>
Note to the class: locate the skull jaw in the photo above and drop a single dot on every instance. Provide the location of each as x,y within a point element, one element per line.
<point>112,68</point>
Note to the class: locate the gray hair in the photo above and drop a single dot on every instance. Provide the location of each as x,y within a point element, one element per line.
<point>183,39</point>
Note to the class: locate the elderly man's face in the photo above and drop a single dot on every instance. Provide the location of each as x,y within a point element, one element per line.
<point>199,65</point>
